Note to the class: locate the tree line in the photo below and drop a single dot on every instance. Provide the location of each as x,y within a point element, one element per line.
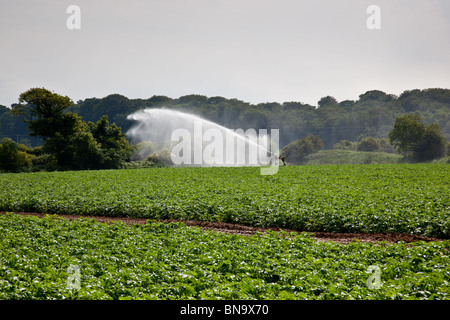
<point>79,135</point>
<point>68,141</point>
<point>372,115</point>
<point>410,137</point>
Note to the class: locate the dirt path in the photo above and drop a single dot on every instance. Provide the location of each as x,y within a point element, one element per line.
<point>344,238</point>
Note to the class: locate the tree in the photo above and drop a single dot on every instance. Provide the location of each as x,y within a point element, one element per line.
<point>193,99</point>
<point>73,143</point>
<point>369,144</point>
<point>328,100</point>
<point>43,111</point>
<point>296,151</point>
<point>12,159</point>
<point>114,146</point>
<point>77,151</point>
<point>385,146</point>
<point>372,115</point>
<point>433,144</point>
<point>255,119</point>
<point>65,135</point>
<point>375,95</point>
<point>345,145</point>
<point>407,133</point>
<point>416,140</point>
<point>115,104</point>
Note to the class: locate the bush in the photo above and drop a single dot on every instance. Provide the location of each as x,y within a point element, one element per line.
<point>296,151</point>
<point>13,159</point>
<point>417,141</point>
<point>369,144</point>
<point>433,144</point>
<point>385,145</point>
<point>345,145</point>
<point>145,148</point>
<point>162,157</point>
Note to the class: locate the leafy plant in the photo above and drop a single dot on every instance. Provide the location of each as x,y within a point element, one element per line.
<point>410,199</point>
<point>172,261</point>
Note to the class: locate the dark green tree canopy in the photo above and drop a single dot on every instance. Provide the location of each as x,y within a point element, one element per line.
<point>372,115</point>
<point>414,139</point>
<point>296,151</point>
<point>71,141</point>
<point>326,101</point>
<point>112,142</point>
<point>11,157</point>
<point>376,95</point>
<point>368,144</point>
<point>407,133</point>
<point>432,145</point>
<point>193,99</point>
<point>41,103</point>
<point>44,112</point>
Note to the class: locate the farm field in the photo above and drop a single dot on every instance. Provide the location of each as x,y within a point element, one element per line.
<point>172,261</point>
<point>407,198</point>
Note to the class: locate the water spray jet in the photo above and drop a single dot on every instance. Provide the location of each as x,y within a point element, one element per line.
<point>197,141</point>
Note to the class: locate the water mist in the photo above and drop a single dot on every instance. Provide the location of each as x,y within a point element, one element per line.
<point>193,140</point>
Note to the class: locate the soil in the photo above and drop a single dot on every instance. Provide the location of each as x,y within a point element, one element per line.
<point>343,238</point>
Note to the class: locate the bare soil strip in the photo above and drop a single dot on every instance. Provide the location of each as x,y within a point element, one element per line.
<point>231,228</point>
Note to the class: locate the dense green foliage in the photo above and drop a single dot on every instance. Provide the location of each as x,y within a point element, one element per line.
<point>407,198</point>
<point>71,142</point>
<point>344,156</point>
<point>297,151</point>
<point>368,144</point>
<point>415,139</point>
<point>44,113</point>
<point>12,158</point>
<point>113,147</point>
<point>372,115</point>
<point>172,261</point>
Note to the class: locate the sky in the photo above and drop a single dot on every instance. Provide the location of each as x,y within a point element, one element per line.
<point>252,50</point>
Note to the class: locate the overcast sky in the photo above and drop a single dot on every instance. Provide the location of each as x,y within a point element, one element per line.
<point>252,50</point>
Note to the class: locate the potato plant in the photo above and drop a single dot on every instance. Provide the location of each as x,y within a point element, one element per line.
<point>172,261</point>
<point>406,198</point>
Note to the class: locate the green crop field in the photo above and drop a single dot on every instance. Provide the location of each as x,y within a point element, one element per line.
<point>412,199</point>
<point>172,261</point>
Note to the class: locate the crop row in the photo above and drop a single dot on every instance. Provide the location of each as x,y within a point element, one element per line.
<point>408,198</point>
<point>38,257</point>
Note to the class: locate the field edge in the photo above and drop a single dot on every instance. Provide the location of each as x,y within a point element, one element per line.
<point>237,229</point>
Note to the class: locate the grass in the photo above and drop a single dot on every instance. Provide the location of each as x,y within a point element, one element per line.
<point>327,157</point>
